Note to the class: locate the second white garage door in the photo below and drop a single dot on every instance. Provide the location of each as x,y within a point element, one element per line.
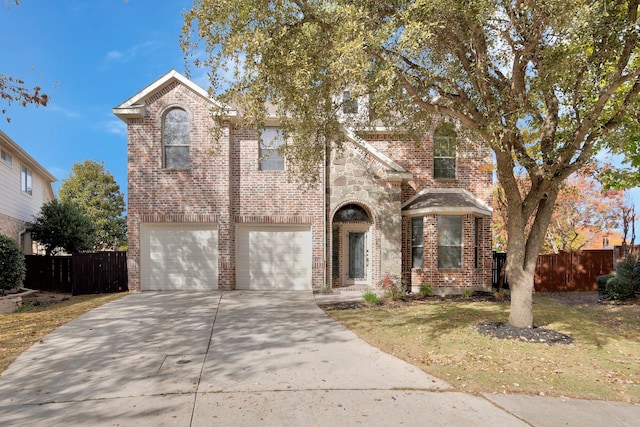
<point>273,257</point>
<point>178,256</point>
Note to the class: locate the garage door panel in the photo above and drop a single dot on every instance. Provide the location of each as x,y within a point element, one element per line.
<point>273,257</point>
<point>179,256</point>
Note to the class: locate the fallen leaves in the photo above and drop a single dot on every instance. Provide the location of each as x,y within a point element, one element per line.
<point>20,330</point>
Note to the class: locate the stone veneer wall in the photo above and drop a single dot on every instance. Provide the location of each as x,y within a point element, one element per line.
<point>353,179</point>
<point>11,227</point>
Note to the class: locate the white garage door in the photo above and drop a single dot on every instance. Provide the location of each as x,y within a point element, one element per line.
<point>273,257</point>
<point>178,257</point>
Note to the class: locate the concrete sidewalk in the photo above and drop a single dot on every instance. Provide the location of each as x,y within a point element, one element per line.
<point>247,358</point>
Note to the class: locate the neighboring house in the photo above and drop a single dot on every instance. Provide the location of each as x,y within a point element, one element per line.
<point>207,213</point>
<point>25,187</point>
<point>604,239</point>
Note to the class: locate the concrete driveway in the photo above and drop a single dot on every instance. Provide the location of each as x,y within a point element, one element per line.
<point>230,358</point>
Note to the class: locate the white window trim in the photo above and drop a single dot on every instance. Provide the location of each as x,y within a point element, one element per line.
<point>26,178</point>
<point>270,140</point>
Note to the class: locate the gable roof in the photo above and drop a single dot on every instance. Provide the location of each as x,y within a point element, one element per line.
<point>451,201</point>
<point>393,170</point>
<point>134,107</point>
<point>26,158</point>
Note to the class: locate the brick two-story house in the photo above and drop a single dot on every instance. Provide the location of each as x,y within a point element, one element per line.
<point>207,213</point>
<point>25,186</point>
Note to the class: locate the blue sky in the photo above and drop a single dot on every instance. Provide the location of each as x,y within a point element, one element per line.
<point>88,56</point>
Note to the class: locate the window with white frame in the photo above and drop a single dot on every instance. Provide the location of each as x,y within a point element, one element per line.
<point>26,180</point>
<point>271,140</point>
<point>417,242</point>
<point>349,104</point>
<point>444,152</point>
<point>450,241</point>
<point>6,157</point>
<point>175,139</point>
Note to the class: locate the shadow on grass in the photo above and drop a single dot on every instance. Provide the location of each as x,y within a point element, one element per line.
<point>587,324</point>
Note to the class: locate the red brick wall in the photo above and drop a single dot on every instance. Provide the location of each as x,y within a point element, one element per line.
<point>222,185</point>
<point>473,173</point>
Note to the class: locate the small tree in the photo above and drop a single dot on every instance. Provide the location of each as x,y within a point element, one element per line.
<point>94,190</point>
<point>12,267</point>
<point>62,225</point>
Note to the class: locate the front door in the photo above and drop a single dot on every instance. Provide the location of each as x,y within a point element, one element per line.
<point>357,265</point>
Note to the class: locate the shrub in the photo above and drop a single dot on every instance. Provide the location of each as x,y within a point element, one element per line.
<point>12,266</point>
<point>468,293</point>
<point>636,276</point>
<point>601,281</point>
<point>426,290</point>
<point>620,287</point>
<point>624,283</point>
<point>371,298</point>
<point>393,288</point>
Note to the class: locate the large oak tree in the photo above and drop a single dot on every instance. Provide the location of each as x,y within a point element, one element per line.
<point>544,83</point>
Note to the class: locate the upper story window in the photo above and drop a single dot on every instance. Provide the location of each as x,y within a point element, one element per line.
<point>270,158</point>
<point>6,157</point>
<point>450,241</point>
<point>175,139</point>
<point>444,152</point>
<point>26,180</point>
<point>349,104</point>
<point>417,242</point>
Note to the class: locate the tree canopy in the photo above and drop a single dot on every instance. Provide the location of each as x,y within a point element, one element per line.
<point>583,211</point>
<point>544,83</point>
<point>94,190</point>
<point>63,226</point>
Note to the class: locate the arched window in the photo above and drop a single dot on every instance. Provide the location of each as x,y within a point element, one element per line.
<point>175,139</point>
<point>351,213</point>
<point>444,152</point>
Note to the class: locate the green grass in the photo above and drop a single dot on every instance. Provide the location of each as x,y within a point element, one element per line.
<point>440,337</point>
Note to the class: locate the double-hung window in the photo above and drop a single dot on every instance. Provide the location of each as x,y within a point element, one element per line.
<point>175,139</point>
<point>349,104</point>
<point>450,241</point>
<point>444,152</point>
<point>417,242</point>
<point>26,178</point>
<point>270,141</point>
<point>6,157</point>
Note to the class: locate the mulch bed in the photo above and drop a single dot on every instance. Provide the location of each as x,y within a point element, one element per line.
<point>504,330</point>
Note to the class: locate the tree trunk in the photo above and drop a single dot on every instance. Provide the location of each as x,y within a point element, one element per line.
<point>521,314</point>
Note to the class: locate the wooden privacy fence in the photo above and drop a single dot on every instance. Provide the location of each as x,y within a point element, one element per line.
<point>78,274</point>
<point>565,271</point>
<point>572,270</point>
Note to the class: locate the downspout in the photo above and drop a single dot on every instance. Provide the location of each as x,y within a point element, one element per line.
<point>325,285</point>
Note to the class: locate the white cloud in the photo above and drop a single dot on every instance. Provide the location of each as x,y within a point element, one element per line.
<point>65,112</point>
<point>117,127</point>
<point>129,53</point>
<point>114,55</point>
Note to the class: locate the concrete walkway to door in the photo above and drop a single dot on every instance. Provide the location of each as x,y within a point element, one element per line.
<point>228,358</point>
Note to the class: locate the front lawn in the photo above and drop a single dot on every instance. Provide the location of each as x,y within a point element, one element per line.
<point>21,329</point>
<point>441,338</point>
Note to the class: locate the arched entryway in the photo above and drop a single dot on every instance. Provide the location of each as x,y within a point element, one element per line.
<point>352,246</point>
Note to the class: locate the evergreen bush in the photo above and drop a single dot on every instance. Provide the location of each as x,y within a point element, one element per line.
<point>12,266</point>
